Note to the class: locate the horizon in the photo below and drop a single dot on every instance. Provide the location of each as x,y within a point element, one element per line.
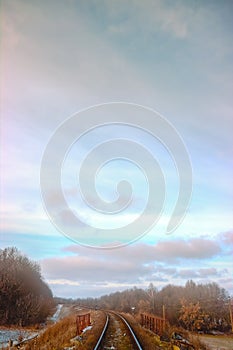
<point>169,62</point>
<point>117,291</point>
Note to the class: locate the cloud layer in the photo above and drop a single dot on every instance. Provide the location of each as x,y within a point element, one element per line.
<point>137,264</point>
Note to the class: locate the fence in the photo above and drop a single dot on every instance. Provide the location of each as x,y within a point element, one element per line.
<point>154,323</point>
<point>83,321</point>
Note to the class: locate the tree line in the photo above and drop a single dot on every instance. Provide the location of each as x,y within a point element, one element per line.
<point>196,307</point>
<point>24,297</point>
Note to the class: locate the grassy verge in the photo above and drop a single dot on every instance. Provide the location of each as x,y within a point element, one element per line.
<point>62,335</point>
<point>55,337</point>
<point>193,339</point>
<point>147,339</point>
<point>91,337</point>
<point>150,341</point>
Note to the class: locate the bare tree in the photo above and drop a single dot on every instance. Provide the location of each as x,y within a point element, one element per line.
<point>24,296</point>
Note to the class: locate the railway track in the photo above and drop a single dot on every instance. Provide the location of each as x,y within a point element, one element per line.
<point>117,334</point>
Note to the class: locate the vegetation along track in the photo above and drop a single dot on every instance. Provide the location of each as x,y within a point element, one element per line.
<point>117,334</point>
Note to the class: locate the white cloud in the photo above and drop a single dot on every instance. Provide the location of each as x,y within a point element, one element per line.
<point>138,265</point>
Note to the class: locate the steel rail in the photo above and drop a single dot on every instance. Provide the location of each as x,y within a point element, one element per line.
<point>131,332</point>
<point>102,334</point>
<point>127,325</point>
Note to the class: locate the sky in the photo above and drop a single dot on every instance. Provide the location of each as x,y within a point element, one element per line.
<point>90,61</point>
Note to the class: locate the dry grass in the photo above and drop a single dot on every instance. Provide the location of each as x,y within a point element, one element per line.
<point>150,341</point>
<point>147,339</point>
<point>91,337</point>
<point>194,340</point>
<point>56,336</point>
<point>198,344</point>
<point>62,335</point>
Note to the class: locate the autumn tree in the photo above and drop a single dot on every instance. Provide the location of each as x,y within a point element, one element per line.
<point>24,297</point>
<point>191,316</point>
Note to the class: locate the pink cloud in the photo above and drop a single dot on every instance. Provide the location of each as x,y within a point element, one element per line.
<point>227,238</point>
<point>197,248</point>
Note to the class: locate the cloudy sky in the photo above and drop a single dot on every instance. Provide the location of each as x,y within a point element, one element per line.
<point>62,57</point>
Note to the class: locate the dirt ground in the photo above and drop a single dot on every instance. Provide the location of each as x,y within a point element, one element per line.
<point>217,342</point>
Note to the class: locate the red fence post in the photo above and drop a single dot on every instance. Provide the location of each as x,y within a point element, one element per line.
<point>82,321</point>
